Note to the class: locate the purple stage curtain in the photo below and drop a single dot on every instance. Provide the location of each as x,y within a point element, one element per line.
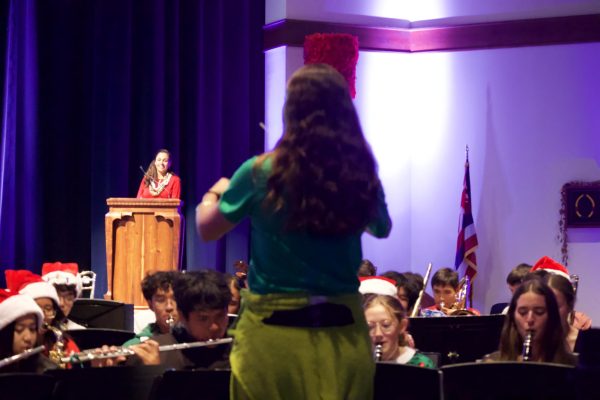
<point>93,88</point>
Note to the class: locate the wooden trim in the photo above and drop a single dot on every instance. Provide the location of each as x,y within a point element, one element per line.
<point>517,33</point>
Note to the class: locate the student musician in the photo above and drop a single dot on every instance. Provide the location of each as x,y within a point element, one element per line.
<point>20,322</point>
<point>67,282</point>
<point>445,287</point>
<point>58,343</point>
<point>533,330</point>
<point>387,327</point>
<point>158,292</point>
<point>202,298</point>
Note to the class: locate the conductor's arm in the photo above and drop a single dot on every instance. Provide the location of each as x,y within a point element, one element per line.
<point>210,223</point>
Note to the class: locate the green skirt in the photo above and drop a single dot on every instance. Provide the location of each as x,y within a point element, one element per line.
<point>286,362</point>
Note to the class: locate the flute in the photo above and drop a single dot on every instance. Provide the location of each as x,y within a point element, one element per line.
<point>89,355</point>
<point>417,305</point>
<point>21,356</point>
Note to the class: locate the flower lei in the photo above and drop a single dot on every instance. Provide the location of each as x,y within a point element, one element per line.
<point>157,188</point>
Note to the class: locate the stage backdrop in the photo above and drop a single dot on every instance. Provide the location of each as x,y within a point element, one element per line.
<point>91,89</point>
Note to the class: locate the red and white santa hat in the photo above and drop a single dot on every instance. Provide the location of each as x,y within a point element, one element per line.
<point>26,282</point>
<point>377,285</point>
<point>14,306</point>
<point>549,265</point>
<point>58,273</point>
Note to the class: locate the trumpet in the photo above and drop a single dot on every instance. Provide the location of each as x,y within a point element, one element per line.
<point>460,305</point>
<point>21,356</point>
<point>526,352</point>
<point>91,354</point>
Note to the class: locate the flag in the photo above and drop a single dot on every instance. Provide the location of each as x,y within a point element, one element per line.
<point>466,244</point>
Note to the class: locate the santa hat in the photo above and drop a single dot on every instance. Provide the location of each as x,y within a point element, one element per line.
<point>14,306</point>
<point>62,274</point>
<point>26,282</point>
<point>340,50</point>
<point>377,285</point>
<point>549,265</point>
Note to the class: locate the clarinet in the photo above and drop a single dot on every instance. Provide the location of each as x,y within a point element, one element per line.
<point>378,352</point>
<point>526,353</point>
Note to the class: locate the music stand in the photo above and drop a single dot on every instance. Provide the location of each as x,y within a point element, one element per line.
<point>399,381</point>
<point>114,383</point>
<point>588,371</point>
<point>26,386</point>
<point>96,313</point>
<point>92,338</point>
<point>205,384</point>
<point>507,380</point>
<point>457,339</point>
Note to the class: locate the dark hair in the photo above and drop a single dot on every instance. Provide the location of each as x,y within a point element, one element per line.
<point>367,268</point>
<point>410,286</point>
<point>392,305</point>
<point>66,288</point>
<point>157,280</point>
<point>151,173</point>
<point>564,286</point>
<point>201,290</point>
<point>29,364</point>
<point>6,340</point>
<point>415,278</point>
<point>517,274</point>
<point>445,276</point>
<point>552,345</point>
<point>323,175</point>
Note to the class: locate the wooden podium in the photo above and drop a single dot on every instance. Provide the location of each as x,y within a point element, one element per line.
<point>142,236</point>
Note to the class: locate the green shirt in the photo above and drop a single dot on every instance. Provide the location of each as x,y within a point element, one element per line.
<point>150,330</point>
<point>293,261</point>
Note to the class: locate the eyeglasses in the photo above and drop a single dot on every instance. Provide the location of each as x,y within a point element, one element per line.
<point>384,326</point>
<point>49,311</point>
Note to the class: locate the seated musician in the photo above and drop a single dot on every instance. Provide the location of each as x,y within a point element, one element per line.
<point>158,292</point>
<point>533,329</point>
<point>557,277</point>
<point>367,268</point>
<point>20,321</point>
<point>58,343</point>
<point>408,289</point>
<point>445,287</point>
<point>67,282</point>
<point>387,328</point>
<point>202,298</point>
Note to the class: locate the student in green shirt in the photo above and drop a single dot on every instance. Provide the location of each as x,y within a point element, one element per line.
<point>158,292</point>
<point>301,332</point>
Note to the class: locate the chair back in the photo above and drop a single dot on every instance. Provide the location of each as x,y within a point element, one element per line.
<point>204,384</point>
<point>507,380</point>
<point>88,283</point>
<point>399,381</point>
<point>26,386</point>
<point>498,308</point>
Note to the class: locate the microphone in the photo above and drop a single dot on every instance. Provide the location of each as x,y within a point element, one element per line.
<point>144,172</point>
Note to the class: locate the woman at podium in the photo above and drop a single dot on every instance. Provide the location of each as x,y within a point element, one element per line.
<point>159,181</point>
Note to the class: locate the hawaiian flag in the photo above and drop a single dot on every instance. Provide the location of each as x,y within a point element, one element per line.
<point>466,244</point>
